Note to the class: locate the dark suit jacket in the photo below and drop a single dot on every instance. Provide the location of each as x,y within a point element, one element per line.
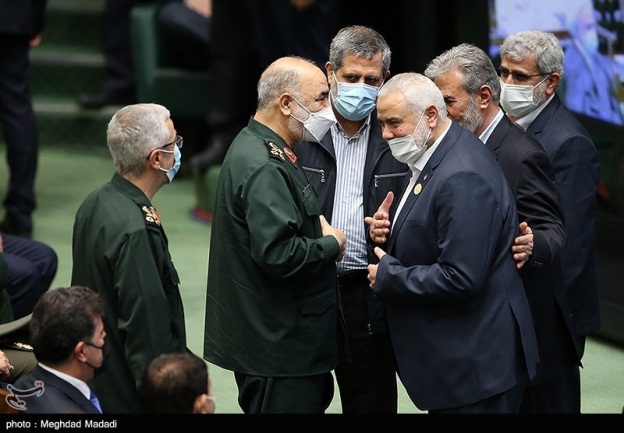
<point>382,173</point>
<point>532,180</point>
<point>574,158</point>
<point>57,395</point>
<point>457,312</point>
<point>22,17</point>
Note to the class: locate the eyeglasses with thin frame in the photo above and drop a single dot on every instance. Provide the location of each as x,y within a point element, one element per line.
<point>519,77</point>
<point>179,142</point>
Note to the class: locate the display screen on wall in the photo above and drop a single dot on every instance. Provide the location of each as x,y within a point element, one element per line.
<point>592,35</point>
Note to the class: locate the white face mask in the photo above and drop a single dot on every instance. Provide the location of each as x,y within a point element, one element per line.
<point>405,149</point>
<point>317,124</point>
<point>518,100</point>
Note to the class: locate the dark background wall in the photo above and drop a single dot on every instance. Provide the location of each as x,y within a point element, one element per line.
<point>419,30</point>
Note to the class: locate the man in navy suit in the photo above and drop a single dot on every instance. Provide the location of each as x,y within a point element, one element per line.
<point>471,89</point>
<point>459,319</point>
<point>68,338</point>
<point>21,23</point>
<point>531,70</point>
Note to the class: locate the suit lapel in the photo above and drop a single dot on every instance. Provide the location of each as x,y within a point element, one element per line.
<point>416,191</point>
<point>495,140</point>
<point>425,176</point>
<point>537,126</point>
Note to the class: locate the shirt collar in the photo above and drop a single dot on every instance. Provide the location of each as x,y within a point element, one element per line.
<point>81,385</point>
<point>488,131</point>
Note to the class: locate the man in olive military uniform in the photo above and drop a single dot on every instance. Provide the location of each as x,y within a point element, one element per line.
<point>120,250</point>
<point>272,306</point>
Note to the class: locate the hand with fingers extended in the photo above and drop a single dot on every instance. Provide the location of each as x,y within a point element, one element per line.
<point>340,236</point>
<point>523,245</point>
<point>379,224</point>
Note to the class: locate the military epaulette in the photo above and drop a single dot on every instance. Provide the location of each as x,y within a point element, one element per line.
<point>275,151</point>
<point>151,216</point>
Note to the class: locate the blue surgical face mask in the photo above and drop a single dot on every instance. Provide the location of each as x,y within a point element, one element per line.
<point>177,158</point>
<point>355,101</point>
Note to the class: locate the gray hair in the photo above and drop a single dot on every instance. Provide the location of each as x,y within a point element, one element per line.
<point>418,90</point>
<point>473,62</point>
<point>135,131</point>
<point>278,78</point>
<point>363,42</point>
<point>543,46</point>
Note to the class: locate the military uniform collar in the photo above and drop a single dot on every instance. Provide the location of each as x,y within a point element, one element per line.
<point>129,189</point>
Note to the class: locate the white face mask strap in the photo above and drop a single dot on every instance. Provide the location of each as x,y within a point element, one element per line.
<point>418,124</point>
<point>545,78</point>
<point>302,106</point>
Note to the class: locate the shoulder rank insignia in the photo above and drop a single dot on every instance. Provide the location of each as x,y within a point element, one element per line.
<point>151,216</point>
<point>275,151</point>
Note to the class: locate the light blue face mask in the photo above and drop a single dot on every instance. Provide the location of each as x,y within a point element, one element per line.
<point>355,101</point>
<point>177,158</point>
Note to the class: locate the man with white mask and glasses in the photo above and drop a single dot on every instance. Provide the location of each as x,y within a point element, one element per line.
<point>458,316</point>
<point>531,70</point>
<point>272,305</point>
<point>352,170</point>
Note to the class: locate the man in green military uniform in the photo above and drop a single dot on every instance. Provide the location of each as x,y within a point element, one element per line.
<point>120,250</point>
<point>272,307</point>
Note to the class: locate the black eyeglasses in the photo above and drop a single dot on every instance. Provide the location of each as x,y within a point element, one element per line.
<point>179,142</point>
<point>518,77</point>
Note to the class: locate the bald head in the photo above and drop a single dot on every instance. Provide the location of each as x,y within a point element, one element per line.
<point>288,75</point>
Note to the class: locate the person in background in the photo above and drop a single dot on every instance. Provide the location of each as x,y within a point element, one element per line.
<point>247,35</point>
<point>177,383</point>
<point>68,338</point>
<point>458,316</point>
<point>186,32</point>
<point>30,268</point>
<point>272,305</point>
<point>471,89</point>
<point>21,24</point>
<point>185,28</point>
<point>27,268</point>
<point>352,170</point>
<point>591,83</point>
<point>120,249</point>
<point>530,71</point>
<point>118,86</point>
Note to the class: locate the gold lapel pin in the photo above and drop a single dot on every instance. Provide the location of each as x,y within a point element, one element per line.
<point>417,189</point>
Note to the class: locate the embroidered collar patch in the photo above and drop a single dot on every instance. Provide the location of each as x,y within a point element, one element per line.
<point>290,154</point>
<point>151,216</point>
<point>275,151</point>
